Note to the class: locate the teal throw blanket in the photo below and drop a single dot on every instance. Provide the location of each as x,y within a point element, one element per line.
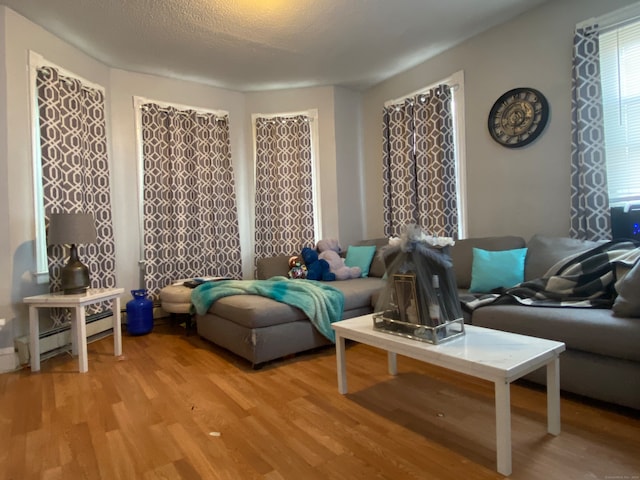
<point>321,303</point>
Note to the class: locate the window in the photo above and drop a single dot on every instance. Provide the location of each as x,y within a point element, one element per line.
<point>286,204</point>
<point>70,174</point>
<point>423,159</point>
<point>188,202</point>
<point>620,75</point>
<point>70,167</point>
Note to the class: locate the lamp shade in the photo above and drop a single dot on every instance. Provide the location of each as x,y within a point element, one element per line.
<point>71,228</point>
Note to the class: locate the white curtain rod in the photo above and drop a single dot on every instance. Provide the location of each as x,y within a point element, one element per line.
<point>422,91</point>
<point>309,114</point>
<point>452,81</point>
<point>199,113</point>
<point>615,19</point>
<point>67,80</point>
<point>37,61</point>
<point>138,102</point>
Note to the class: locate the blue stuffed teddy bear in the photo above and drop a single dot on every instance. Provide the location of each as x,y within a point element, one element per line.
<point>317,268</point>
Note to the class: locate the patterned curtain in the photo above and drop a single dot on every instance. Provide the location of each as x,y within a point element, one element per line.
<point>75,173</point>
<point>590,215</point>
<point>284,186</point>
<point>399,168</point>
<point>419,171</point>
<point>190,215</point>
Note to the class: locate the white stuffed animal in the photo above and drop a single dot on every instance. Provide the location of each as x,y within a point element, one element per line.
<point>330,251</point>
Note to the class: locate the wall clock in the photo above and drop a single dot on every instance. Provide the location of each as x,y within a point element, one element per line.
<point>518,117</point>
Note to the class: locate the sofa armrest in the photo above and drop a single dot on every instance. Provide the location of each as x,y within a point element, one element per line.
<point>272,266</point>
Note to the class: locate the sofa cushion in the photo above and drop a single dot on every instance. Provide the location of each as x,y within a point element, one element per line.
<point>254,311</point>
<point>358,291</point>
<point>544,252</point>
<point>272,266</point>
<point>279,264</point>
<point>490,270</point>
<point>627,303</point>
<point>377,268</point>
<point>593,330</point>
<point>462,254</point>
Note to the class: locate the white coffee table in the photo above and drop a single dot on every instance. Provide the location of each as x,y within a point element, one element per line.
<point>77,304</point>
<point>499,357</point>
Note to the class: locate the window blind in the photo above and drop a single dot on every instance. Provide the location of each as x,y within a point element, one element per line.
<point>620,75</point>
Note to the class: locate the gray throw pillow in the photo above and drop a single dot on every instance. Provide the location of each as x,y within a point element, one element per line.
<point>627,303</point>
<point>544,252</point>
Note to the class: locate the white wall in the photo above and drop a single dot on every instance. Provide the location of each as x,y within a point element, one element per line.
<point>349,162</point>
<point>510,191</point>
<point>7,358</point>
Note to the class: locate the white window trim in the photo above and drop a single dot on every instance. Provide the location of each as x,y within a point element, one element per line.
<point>456,82</point>
<point>36,61</point>
<point>312,115</point>
<point>617,18</point>
<point>138,102</point>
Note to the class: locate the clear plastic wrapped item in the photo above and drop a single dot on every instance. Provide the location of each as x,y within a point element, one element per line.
<point>420,299</point>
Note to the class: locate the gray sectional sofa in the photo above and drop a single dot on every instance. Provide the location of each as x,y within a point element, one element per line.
<point>261,329</point>
<point>602,359</point>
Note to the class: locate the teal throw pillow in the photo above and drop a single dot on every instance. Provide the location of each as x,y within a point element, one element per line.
<point>360,256</point>
<point>504,268</point>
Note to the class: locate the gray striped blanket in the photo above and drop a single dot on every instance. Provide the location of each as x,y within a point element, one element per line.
<point>583,280</point>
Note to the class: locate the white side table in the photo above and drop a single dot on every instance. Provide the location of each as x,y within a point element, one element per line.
<point>76,303</point>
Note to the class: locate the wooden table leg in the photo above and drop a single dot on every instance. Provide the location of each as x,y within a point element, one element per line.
<point>341,366</point>
<point>34,338</point>
<point>503,427</point>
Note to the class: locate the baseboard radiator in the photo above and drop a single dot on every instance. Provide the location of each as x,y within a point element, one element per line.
<point>53,342</point>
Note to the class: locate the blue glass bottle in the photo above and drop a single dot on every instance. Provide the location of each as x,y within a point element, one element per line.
<point>139,313</point>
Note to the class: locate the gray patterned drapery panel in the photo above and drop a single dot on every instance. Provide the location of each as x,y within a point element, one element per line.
<point>190,215</point>
<point>590,215</point>
<point>284,221</point>
<point>75,173</point>
<point>419,167</point>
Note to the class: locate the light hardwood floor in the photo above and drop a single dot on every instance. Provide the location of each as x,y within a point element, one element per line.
<point>177,407</point>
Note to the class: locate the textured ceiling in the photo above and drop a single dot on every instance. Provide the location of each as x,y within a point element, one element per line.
<point>265,44</point>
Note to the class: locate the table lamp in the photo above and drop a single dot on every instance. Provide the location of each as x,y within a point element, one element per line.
<point>72,229</point>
